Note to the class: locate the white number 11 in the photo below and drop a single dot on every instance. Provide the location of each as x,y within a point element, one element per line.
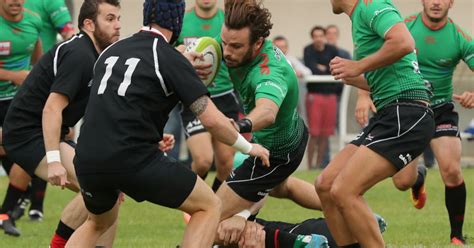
<point>127,78</point>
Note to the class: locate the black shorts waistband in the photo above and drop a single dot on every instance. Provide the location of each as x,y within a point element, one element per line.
<point>410,103</point>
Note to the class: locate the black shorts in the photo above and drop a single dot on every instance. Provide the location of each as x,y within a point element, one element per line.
<point>228,104</point>
<point>164,182</point>
<point>307,227</point>
<point>29,152</point>
<point>446,120</point>
<point>399,132</point>
<point>252,181</point>
<point>3,110</point>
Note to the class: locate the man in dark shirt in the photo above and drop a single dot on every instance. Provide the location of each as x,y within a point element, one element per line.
<point>137,82</point>
<point>321,99</point>
<point>52,99</point>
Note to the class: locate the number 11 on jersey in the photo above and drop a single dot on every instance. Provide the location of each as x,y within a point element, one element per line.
<point>127,78</point>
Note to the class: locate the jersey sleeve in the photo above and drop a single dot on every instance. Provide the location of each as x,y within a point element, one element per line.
<point>381,17</point>
<point>467,47</point>
<point>274,90</point>
<point>179,74</point>
<point>58,13</point>
<point>73,70</point>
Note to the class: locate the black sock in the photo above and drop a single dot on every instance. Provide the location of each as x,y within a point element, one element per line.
<point>275,238</point>
<point>216,184</point>
<point>204,176</point>
<point>64,231</point>
<point>37,193</point>
<point>355,245</point>
<point>13,195</point>
<point>420,179</point>
<point>455,200</point>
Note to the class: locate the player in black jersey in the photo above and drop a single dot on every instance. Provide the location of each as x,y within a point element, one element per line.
<point>53,98</point>
<point>137,82</point>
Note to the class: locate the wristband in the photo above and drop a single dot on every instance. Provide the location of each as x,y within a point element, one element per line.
<point>244,214</point>
<point>245,125</point>
<point>53,156</point>
<point>242,145</point>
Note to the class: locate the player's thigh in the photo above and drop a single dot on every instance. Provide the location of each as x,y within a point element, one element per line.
<point>325,180</point>
<point>200,147</point>
<point>100,192</point>
<point>362,171</point>
<point>224,155</point>
<point>406,177</point>
<point>447,150</point>
<point>232,203</point>
<point>201,198</point>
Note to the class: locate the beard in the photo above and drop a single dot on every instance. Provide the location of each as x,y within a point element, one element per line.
<point>245,60</point>
<point>103,40</point>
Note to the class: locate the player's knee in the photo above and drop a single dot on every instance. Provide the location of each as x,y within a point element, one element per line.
<point>339,195</point>
<point>402,184</point>
<point>100,226</point>
<point>452,175</point>
<point>323,185</point>
<point>214,205</point>
<point>202,163</point>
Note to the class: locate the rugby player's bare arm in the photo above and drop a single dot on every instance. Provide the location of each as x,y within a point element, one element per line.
<point>264,114</point>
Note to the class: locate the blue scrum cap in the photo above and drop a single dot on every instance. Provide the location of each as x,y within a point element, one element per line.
<point>166,13</point>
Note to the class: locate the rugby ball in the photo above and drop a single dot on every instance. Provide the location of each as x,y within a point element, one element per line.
<point>212,52</point>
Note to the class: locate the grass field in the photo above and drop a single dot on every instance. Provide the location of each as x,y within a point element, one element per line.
<point>146,225</point>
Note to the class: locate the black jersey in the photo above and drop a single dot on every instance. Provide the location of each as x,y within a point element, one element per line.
<point>137,82</point>
<point>66,69</point>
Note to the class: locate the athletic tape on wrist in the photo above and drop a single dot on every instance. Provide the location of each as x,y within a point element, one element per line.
<point>53,156</point>
<point>242,145</point>
<point>244,214</point>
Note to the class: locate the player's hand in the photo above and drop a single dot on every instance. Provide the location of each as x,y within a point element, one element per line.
<point>363,106</point>
<point>252,237</point>
<point>229,230</point>
<point>344,68</point>
<point>57,174</point>
<point>466,99</point>
<point>202,69</point>
<point>262,153</point>
<point>167,143</point>
<point>19,76</point>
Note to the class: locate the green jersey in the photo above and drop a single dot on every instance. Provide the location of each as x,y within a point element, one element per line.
<point>195,27</point>
<point>271,76</point>
<point>17,43</point>
<point>371,20</point>
<point>54,15</point>
<point>439,51</point>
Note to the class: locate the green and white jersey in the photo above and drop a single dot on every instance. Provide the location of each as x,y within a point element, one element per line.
<point>17,43</point>
<point>371,20</point>
<point>271,76</point>
<point>195,27</point>
<point>439,51</point>
<point>54,15</point>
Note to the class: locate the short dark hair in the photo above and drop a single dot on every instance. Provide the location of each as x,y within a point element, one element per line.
<point>332,26</point>
<point>321,28</point>
<point>279,37</point>
<point>90,10</point>
<point>248,13</point>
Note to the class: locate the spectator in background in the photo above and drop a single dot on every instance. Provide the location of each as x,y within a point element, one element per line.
<point>300,69</point>
<point>332,36</point>
<point>321,99</point>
